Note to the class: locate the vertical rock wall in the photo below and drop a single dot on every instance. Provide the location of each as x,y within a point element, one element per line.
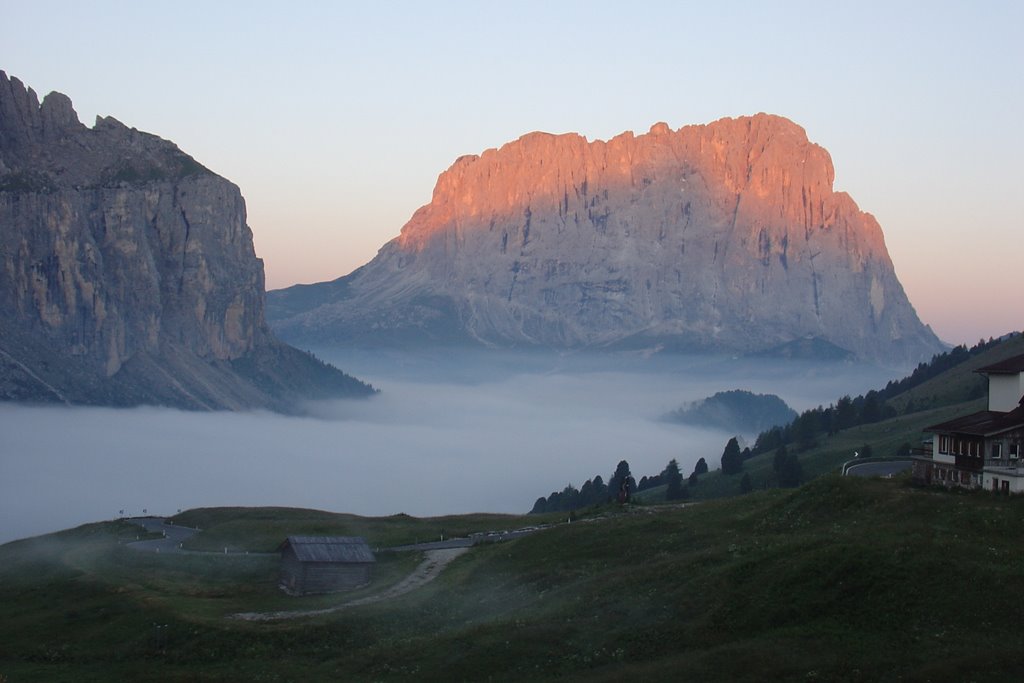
<point>723,237</point>
<point>117,250</point>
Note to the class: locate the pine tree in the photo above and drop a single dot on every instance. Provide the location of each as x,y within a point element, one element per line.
<point>622,485</point>
<point>732,461</point>
<point>674,478</point>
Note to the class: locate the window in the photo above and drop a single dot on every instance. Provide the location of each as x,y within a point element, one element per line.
<point>972,449</point>
<point>943,444</point>
<point>1015,450</point>
<point>997,450</point>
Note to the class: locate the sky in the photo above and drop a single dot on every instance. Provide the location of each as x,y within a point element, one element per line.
<point>335,118</point>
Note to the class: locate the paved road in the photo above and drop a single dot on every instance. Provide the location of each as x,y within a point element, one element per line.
<point>174,536</point>
<point>878,469</point>
<point>475,539</point>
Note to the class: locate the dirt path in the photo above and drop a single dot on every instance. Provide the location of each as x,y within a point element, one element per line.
<point>433,564</point>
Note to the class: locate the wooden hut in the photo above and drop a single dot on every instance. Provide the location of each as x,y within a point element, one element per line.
<point>324,564</point>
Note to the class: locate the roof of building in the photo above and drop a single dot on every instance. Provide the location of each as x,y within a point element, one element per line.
<point>348,549</point>
<point>984,423</point>
<point>1008,366</point>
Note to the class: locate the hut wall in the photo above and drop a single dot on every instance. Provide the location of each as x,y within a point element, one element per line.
<point>292,573</point>
<point>329,577</point>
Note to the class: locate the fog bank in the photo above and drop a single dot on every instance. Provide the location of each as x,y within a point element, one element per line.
<point>450,433</point>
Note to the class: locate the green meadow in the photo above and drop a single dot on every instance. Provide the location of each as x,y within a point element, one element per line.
<point>841,579</point>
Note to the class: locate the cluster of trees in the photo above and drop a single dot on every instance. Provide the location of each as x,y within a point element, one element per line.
<point>737,410</point>
<point>671,477</point>
<point>787,467</point>
<point>800,434</point>
<point>622,485</point>
<point>593,492</point>
<point>804,431</point>
<point>619,488</point>
<point>936,366</point>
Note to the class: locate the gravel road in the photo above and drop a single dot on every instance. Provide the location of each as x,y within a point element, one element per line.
<point>433,564</point>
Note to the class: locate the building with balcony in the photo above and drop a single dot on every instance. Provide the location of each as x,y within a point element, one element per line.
<point>984,449</point>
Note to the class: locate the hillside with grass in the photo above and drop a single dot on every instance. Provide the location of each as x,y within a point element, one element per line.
<point>888,422</point>
<point>841,580</point>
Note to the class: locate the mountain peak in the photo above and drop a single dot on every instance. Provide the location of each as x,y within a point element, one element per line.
<point>129,274</point>
<point>726,236</point>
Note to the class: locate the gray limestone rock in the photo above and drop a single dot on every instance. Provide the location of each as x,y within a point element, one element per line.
<point>128,274</point>
<point>726,237</point>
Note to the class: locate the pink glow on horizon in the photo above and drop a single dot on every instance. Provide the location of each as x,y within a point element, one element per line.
<point>335,119</point>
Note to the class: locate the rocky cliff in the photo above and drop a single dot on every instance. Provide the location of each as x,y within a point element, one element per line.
<point>128,275</point>
<point>721,237</point>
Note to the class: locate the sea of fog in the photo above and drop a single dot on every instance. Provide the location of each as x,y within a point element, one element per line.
<point>450,432</point>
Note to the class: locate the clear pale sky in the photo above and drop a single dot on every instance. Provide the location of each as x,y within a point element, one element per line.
<point>335,118</point>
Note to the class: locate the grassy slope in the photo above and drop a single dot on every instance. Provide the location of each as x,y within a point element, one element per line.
<point>840,580</point>
<point>263,529</point>
<point>956,383</point>
<point>843,579</point>
<point>937,400</point>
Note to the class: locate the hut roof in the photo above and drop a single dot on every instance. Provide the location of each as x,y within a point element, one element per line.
<point>983,423</point>
<point>1009,366</point>
<point>350,549</point>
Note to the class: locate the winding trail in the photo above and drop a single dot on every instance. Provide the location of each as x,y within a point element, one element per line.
<point>174,536</point>
<point>429,569</point>
<point>437,556</point>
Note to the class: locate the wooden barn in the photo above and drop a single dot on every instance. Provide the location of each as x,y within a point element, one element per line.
<point>324,564</point>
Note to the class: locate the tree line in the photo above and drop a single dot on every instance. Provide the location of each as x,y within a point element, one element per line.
<point>799,435</point>
<point>620,488</point>
<point>804,431</point>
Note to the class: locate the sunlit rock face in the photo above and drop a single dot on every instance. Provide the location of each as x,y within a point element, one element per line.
<point>127,270</point>
<point>719,237</point>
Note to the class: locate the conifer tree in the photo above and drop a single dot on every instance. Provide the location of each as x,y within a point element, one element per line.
<point>622,485</point>
<point>674,478</point>
<point>732,460</point>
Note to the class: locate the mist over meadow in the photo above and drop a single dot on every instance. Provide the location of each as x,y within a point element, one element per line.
<point>451,432</point>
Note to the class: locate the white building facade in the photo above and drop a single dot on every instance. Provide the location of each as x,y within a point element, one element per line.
<point>984,450</point>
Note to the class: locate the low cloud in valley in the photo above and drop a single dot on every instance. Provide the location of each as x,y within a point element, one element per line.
<point>447,434</point>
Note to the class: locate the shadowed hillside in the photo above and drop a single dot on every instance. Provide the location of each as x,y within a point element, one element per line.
<point>838,580</point>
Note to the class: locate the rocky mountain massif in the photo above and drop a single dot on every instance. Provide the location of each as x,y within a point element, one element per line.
<point>128,275</point>
<point>726,237</point>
